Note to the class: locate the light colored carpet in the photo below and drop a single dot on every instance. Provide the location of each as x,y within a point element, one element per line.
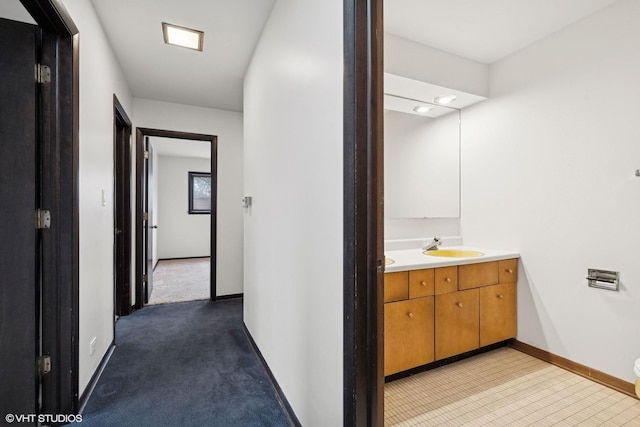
<point>505,388</point>
<point>180,280</point>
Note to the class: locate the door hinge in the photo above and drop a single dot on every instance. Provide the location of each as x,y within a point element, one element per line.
<point>145,278</point>
<point>146,154</point>
<point>44,365</point>
<point>43,219</point>
<point>43,73</point>
<point>145,216</point>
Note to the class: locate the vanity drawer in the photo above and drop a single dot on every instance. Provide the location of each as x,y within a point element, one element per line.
<point>421,283</point>
<point>508,270</point>
<point>396,286</point>
<point>477,275</point>
<point>446,280</point>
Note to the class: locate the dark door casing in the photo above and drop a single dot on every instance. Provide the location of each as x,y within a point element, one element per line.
<point>143,258</point>
<point>148,231</point>
<point>19,238</point>
<point>122,209</point>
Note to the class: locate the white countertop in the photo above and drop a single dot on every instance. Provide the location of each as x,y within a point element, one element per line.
<point>414,259</point>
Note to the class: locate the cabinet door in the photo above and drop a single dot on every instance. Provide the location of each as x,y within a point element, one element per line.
<point>408,334</point>
<point>457,323</point>
<point>396,286</point>
<point>497,313</point>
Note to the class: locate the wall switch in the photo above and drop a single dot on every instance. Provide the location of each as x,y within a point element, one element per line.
<point>92,346</point>
<point>104,198</point>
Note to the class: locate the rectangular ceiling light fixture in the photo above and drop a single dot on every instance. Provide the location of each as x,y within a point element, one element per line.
<point>182,36</point>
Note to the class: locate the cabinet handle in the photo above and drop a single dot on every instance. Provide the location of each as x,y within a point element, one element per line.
<point>500,296</point>
<point>459,304</point>
<point>423,283</point>
<point>410,314</point>
<point>448,280</point>
<point>508,270</point>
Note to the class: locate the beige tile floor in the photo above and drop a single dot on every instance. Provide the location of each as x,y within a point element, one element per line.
<point>505,388</point>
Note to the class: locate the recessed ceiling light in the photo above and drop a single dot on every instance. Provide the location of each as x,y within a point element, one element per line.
<point>421,108</point>
<point>444,99</point>
<point>182,36</point>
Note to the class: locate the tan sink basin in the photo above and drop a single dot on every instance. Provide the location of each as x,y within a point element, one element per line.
<point>454,253</point>
<point>388,261</point>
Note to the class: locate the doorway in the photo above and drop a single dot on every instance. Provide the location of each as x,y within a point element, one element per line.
<point>145,225</point>
<point>180,213</point>
<point>122,209</point>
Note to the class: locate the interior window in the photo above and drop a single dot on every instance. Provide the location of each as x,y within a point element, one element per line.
<point>199,193</point>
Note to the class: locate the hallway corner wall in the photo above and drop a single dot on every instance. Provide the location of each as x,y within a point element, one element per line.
<point>294,229</point>
<point>100,78</point>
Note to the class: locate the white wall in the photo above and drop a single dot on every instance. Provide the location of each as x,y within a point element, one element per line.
<point>180,234</point>
<point>424,63</point>
<point>293,232</point>
<point>548,169</point>
<point>100,78</point>
<point>227,126</point>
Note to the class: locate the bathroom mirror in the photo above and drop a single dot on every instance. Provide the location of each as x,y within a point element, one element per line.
<point>422,159</point>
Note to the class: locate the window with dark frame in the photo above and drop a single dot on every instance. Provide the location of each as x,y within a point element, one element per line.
<point>199,192</point>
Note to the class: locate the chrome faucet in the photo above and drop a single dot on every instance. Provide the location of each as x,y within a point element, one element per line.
<point>434,245</point>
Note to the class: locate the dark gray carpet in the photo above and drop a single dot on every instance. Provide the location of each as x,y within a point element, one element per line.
<point>184,364</point>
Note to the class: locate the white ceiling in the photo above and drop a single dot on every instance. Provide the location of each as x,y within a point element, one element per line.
<point>212,78</point>
<point>181,147</point>
<point>13,9</point>
<point>483,30</point>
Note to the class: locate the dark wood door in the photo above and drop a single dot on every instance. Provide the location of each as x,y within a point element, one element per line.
<point>148,224</point>
<point>19,263</point>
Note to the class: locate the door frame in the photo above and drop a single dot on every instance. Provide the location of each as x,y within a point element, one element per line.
<point>141,133</point>
<point>363,214</point>
<point>59,124</point>
<point>122,209</point>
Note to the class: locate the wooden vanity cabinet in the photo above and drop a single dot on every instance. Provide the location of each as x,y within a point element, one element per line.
<point>435,313</point>
<point>408,334</point>
<point>456,323</point>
